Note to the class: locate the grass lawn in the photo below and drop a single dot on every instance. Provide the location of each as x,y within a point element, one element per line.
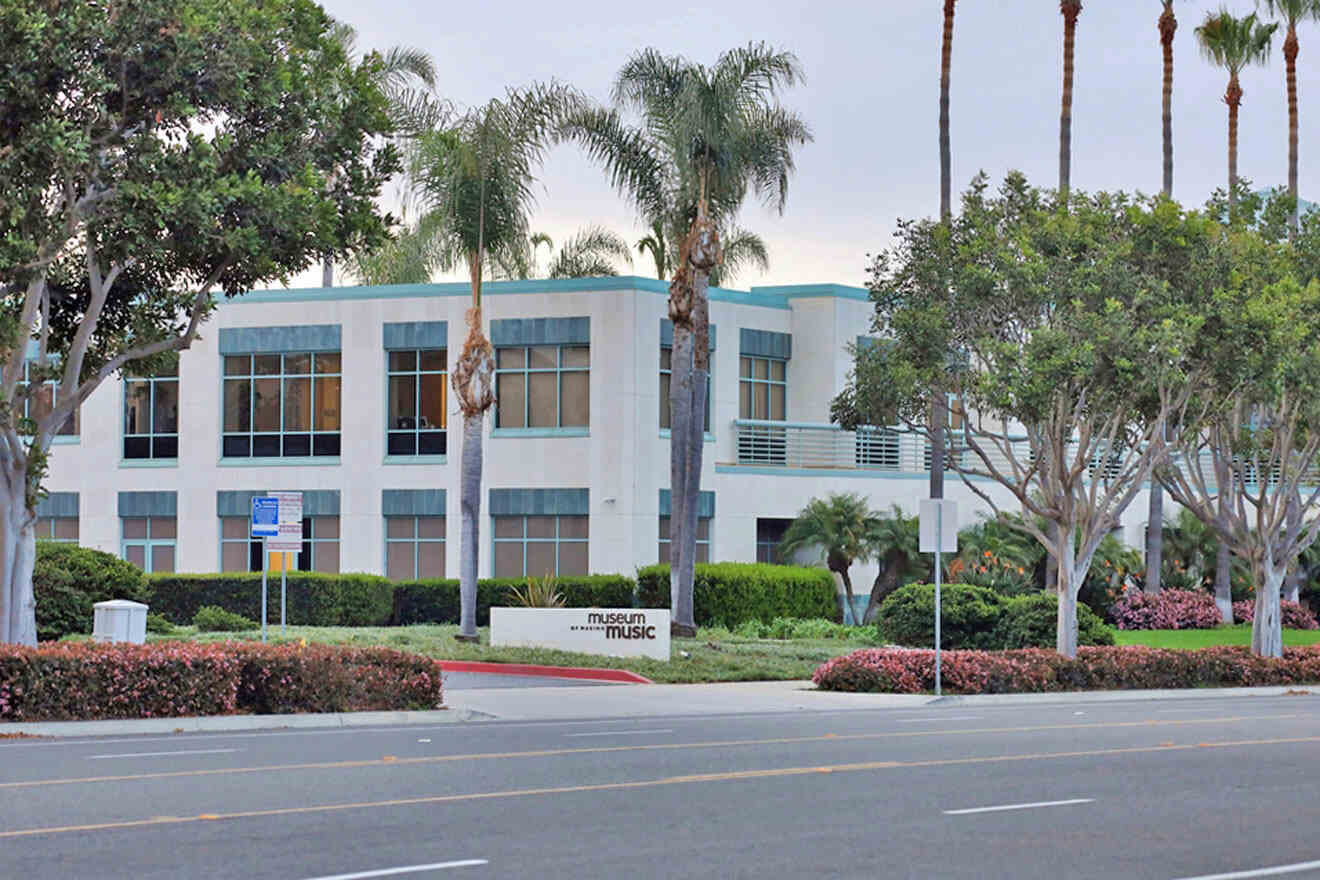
<point>715,655</point>
<point>1191,639</point>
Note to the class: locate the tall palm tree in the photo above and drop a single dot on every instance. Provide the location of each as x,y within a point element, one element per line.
<point>938,413</point>
<point>1233,43</point>
<point>407,79</point>
<point>707,135</point>
<point>1070,9</point>
<point>474,180</point>
<point>741,248</point>
<point>842,527</point>
<point>1292,12</point>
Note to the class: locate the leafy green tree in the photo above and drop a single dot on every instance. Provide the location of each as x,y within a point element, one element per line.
<point>1066,330</point>
<point>1292,12</point>
<point>706,136</point>
<point>154,157</point>
<point>474,181</point>
<point>841,527</point>
<point>1233,44</point>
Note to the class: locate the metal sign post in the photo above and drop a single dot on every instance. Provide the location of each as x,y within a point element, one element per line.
<point>938,536</point>
<point>287,540</point>
<point>284,588</point>
<point>264,525</point>
<point>263,590</point>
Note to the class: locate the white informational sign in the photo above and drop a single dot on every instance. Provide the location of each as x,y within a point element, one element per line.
<point>613,632</point>
<point>939,515</point>
<point>289,522</point>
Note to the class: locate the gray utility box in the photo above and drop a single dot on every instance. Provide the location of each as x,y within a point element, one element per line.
<point>119,620</point>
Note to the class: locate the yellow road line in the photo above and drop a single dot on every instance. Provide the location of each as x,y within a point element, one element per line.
<point>392,760</point>
<point>730,776</point>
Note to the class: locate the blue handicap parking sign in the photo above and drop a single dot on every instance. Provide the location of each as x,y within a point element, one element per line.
<point>265,517</point>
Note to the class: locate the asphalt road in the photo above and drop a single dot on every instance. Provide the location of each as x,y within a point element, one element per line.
<point>1129,790</point>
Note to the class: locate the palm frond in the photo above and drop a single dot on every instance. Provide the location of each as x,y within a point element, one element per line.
<point>590,253</point>
<point>742,249</point>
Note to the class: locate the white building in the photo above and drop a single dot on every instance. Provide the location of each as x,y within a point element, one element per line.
<point>342,393</point>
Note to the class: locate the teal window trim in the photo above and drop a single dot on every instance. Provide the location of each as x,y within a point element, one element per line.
<point>415,459</point>
<point>755,374</point>
<point>416,540</point>
<point>160,445</point>
<point>149,544</point>
<point>292,461</point>
<point>398,438</point>
<point>707,436</point>
<point>148,462</point>
<point>558,541</point>
<point>525,372</point>
<point>540,432</point>
<point>322,368</point>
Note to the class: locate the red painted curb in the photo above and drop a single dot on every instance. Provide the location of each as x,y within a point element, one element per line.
<point>619,675</point>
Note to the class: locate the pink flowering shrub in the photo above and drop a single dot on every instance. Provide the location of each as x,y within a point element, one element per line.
<point>1034,670</point>
<point>1295,614</point>
<point>85,681</point>
<point>1168,609</point>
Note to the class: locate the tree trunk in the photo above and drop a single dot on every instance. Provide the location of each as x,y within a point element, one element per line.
<point>1168,25</point>
<point>470,503</point>
<point>1290,59</point>
<point>946,159</point>
<point>1155,538</point>
<point>938,443</point>
<point>1267,625</point>
<point>1224,582</point>
<point>328,273</point>
<point>1071,575</point>
<point>682,563</point>
<point>694,442</point>
<point>1233,98</point>
<point>849,616</point>
<point>18,620</point>
<point>1070,9</point>
<point>1292,585</point>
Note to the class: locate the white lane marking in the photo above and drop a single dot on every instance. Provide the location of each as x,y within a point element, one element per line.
<point>620,733</point>
<point>1032,806</point>
<point>1260,872</point>
<point>163,754</point>
<point>938,718</point>
<point>409,869</point>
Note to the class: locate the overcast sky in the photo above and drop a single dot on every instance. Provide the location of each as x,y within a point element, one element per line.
<point>871,99</point>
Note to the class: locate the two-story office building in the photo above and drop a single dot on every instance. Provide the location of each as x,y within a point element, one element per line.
<point>343,394</point>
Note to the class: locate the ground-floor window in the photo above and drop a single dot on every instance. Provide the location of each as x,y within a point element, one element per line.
<point>414,547</point>
<point>769,532</point>
<point>320,545</point>
<point>149,541</point>
<point>540,545</point>
<point>62,529</point>
<point>703,540</point>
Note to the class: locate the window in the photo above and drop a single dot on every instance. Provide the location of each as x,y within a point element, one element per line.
<point>151,416</point>
<point>148,542</point>
<point>762,388</point>
<point>703,540</point>
<point>418,401</point>
<point>281,405</point>
<point>57,528</point>
<point>769,532</point>
<point>414,547</point>
<point>666,370</point>
<point>540,545</point>
<point>320,545</point>
<point>543,386</point>
<point>42,400</point>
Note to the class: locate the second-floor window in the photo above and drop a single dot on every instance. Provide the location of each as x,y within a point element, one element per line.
<point>151,416</point>
<point>419,397</point>
<point>281,405</point>
<point>762,388</point>
<point>543,386</point>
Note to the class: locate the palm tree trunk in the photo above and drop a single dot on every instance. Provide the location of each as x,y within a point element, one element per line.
<point>328,272</point>
<point>1168,25</point>
<point>1290,59</point>
<point>1070,9</point>
<point>1233,98</point>
<point>849,615</point>
<point>1155,538</point>
<point>946,159</point>
<point>682,551</point>
<point>470,504</point>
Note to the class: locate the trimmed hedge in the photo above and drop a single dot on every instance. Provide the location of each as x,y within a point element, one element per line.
<point>1033,670</point>
<point>1032,622</point>
<point>980,619</point>
<point>67,580</point>
<point>732,593</point>
<point>86,681</point>
<point>437,601</point>
<point>314,598</point>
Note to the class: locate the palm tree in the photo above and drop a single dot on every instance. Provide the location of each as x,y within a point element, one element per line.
<point>894,542</point>
<point>938,414</point>
<point>590,253</point>
<point>706,136</point>
<point>1233,43</point>
<point>1070,9</point>
<point>740,247</point>
<point>842,527</point>
<point>1292,12</point>
<point>406,78</point>
<point>474,180</point>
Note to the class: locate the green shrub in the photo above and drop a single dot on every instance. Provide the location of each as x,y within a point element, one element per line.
<point>968,615</point>
<point>1031,622</point>
<point>67,580</point>
<point>213,618</point>
<point>314,598</point>
<point>731,593</point>
<point>158,625</point>
<point>437,600</point>
<point>800,628</point>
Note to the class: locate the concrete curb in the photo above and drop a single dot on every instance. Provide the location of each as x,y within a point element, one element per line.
<point>1123,696</point>
<point>231,723</point>
<point>583,673</point>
